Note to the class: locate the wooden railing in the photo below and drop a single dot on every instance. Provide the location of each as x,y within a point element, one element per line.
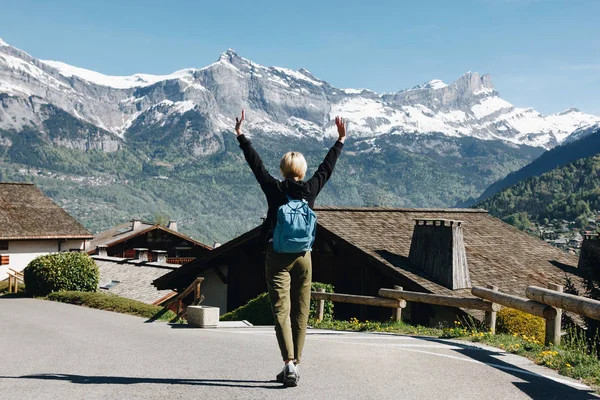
<point>194,287</point>
<point>13,280</point>
<point>544,303</point>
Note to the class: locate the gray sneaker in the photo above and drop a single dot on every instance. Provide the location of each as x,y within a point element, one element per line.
<point>290,376</point>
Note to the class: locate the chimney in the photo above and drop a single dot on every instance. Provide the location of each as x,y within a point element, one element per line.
<point>159,256</point>
<point>172,225</point>
<point>101,250</point>
<point>437,248</point>
<point>136,224</point>
<point>141,254</point>
<point>216,244</point>
<point>589,259</point>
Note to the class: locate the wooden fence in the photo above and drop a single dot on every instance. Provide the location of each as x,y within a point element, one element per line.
<point>544,303</point>
<point>13,280</point>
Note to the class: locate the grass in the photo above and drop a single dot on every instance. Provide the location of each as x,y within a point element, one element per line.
<point>376,326</point>
<point>111,302</point>
<point>101,301</point>
<point>4,287</point>
<point>572,358</point>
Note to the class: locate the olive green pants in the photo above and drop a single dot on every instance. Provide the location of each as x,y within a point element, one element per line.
<point>288,279</point>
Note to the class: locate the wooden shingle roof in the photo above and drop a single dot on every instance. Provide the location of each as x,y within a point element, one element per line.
<point>497,253</point>
<point>134,277</point>
<point>26,213</point>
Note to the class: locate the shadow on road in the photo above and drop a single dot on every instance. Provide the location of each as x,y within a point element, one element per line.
<point>123,380</point>
<point>533,384</point>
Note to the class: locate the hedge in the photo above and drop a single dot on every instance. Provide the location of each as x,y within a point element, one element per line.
<point>61,271</point>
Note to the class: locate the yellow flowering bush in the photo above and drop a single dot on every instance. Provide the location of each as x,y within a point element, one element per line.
<point>520,324</point>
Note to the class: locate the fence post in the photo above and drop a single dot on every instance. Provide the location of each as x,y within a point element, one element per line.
<point>397,312</point>
<point>197,293</point>
<point>553,324</point>
<point>490,316</point>
<point>320,306</point>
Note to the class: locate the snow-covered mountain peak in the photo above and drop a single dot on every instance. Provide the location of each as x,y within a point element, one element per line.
<point>116,82</point>
<point>569,111</point>
<point>278,101</point>
<point>3,43</point>
<point>229,55</point>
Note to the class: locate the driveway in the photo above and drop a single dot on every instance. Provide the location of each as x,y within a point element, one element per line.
<point>60,351</point>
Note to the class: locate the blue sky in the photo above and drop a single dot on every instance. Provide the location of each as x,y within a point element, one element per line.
<point>543,54</point>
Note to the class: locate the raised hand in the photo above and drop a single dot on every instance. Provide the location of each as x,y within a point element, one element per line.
<point>341,128</point>
<point>238,124</point>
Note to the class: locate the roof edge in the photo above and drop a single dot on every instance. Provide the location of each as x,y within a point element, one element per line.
<point>394,209</point>
<point>45,237</point>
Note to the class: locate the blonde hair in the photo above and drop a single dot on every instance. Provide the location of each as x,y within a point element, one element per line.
<point>293,165</point>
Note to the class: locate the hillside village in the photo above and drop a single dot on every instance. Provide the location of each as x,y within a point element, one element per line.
<point>566,235</point>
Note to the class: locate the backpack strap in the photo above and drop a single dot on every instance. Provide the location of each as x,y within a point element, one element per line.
<point>290,199</point>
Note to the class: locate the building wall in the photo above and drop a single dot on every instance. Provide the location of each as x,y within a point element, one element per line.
<point>214,290</point>
<point>21,252</point>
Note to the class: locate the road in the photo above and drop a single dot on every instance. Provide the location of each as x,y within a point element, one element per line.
<point>60,351</point>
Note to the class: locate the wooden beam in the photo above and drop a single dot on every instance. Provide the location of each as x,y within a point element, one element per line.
<point>441,300</point>
<point>518,303</point>
<point>356,299</point>
<point>568,302</point>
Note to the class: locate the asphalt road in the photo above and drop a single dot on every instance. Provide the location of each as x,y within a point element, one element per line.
<point>60,351</point>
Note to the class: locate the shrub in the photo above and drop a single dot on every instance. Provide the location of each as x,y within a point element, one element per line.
<point>328,309</point>
<point>61,271</point>
<point>519,323</point>
<point>258,311</point>
<point>112,302</point>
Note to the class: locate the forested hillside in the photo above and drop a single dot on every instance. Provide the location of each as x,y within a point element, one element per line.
<point>569,192</point>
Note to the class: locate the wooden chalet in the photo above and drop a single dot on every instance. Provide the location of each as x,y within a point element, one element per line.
<point>360,250</point>
<point>33,225</point>
<point>122,240</point>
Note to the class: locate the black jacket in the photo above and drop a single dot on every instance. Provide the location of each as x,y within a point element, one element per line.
<point>276,190</point>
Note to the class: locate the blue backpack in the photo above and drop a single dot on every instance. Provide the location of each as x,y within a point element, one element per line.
<point>295,228</point>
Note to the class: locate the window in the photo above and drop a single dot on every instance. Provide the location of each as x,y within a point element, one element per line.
<point>110,285</point>
<point>4,260</point>
<point>3,244</point>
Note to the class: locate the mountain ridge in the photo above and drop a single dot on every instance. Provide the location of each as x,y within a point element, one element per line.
<point>278,100</point>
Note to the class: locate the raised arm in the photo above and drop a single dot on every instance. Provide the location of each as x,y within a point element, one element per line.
<point>325,170</point>
<point>252,158</point>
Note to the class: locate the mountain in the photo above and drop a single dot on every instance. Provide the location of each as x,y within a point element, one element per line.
<point>108,148</point>
<point>278,100</point>
<point>568,192</point>
<point>586,144</point>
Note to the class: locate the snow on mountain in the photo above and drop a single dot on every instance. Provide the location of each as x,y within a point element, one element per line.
<point>117,82</point>
<point>277,100</point>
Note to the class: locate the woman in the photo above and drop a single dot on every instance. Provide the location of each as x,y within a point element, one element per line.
<point>289,274</point>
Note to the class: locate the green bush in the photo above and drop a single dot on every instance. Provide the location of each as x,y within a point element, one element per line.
<point>328,309</point>
<point>111,302</point>
<point>61,271</point>
<point>258,311</point>
<point>519,323</point>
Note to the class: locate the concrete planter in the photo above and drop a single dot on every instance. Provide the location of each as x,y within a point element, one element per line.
<point>203,316</point>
